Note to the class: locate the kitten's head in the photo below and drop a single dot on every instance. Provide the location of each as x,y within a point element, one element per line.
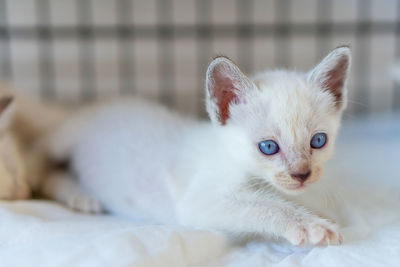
<point>289,119</point>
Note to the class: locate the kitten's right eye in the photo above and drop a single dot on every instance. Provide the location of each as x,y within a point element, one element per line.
<point>268,147</point>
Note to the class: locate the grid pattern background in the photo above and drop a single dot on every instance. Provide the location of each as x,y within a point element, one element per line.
<point>76,51</point>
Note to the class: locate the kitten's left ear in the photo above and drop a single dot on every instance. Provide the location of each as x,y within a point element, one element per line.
<point>331,74</point>
<point>226,85</point>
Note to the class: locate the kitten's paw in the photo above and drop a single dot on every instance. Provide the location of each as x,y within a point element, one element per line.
<point>318,232</point>
<point>84,203</point>
<point>325,234</point>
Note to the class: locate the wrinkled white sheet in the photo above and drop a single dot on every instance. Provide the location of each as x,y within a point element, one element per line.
<point>367,167</point>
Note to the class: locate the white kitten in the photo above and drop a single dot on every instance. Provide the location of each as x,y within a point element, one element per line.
<point>246,172</point>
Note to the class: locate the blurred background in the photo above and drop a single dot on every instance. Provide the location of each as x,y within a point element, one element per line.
<point>78,51</point>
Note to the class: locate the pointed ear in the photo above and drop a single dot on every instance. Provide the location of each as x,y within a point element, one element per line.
<point>226,85</point>
<point>5,111</point>
<point>331,74</point>
<point>5,102</point>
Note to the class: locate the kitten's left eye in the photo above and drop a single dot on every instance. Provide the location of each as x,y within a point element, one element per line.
<point>268,147</point>
<point>318,140</point>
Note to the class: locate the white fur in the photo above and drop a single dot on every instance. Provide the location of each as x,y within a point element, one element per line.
<point>141,160</point>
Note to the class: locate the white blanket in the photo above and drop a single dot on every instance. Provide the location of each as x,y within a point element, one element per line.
<point>367,163</point>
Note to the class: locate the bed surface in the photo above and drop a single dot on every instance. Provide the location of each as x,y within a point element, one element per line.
<point>367,163</point>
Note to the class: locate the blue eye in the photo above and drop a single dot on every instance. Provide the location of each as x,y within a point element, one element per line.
<point>318,140</point>
<point>268,147</point>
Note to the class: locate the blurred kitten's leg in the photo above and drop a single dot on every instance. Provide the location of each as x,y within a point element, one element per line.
<point>22,191</point>
<point>62,187</point>
<point>12,183</point>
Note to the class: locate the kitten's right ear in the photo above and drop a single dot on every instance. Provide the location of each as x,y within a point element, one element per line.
<point>5,102</point>
<point>331,74</point>
<point>226,85</point>
<point>6,111</point>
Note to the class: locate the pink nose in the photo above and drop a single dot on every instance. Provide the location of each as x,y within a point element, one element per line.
<point>301,177</point>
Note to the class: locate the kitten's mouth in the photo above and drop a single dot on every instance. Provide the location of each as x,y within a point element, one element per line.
<point>297,186</point>
<point>293,188</point>
<point>290,186</point>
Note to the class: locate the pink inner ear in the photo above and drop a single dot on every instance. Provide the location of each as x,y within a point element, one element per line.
<point>224,93</point>
<point>335,79</point>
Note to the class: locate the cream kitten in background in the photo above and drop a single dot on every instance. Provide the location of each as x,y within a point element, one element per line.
<point>13,182</point>
<point>23,161</point>
<point>248,171</point>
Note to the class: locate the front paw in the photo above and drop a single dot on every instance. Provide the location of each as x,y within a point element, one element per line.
<point>84,203</point>
<point>313,232</point>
